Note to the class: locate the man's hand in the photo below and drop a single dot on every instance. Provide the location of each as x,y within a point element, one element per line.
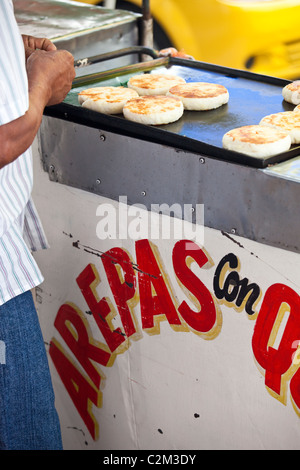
<point>48,69</point>
<point>50,73</point>
<point>32,43</point>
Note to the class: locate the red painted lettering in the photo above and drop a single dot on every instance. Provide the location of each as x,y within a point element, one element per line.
<point>123,289</point>
<point>80,390</point>
<point>87,281</point>
<point>69,316</point>
<point>150,276</point>
<point>205,319</point>
<point>278,299</point>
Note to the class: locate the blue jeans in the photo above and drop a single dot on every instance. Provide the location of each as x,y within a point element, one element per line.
<point>28,419</point>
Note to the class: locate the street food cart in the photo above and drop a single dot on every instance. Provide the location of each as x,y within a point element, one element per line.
<point>170,307</point>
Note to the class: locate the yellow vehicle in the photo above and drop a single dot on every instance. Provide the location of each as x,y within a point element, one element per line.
<point>258,35</point>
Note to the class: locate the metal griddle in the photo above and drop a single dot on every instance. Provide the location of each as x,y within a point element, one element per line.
<point>252,96</point>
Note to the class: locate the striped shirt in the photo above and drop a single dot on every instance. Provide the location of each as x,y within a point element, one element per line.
<point>20,228</point>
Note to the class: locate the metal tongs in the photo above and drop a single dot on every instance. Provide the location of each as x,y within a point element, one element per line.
<point>115,54</point>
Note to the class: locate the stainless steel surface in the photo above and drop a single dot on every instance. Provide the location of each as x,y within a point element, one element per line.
<point>84,30</point>
<point>237,199</point>
<point>58,18</point>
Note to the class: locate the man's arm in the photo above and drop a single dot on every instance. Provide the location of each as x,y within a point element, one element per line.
<point>50,75</point>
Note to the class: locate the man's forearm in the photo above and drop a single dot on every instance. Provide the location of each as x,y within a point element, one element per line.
<point>17,136</point>
<point>50,75</point>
